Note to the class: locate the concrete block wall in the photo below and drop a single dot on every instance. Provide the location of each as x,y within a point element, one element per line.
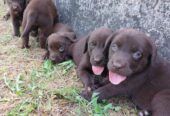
<point>149,16</point>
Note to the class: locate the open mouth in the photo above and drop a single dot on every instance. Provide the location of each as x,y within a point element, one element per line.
<point>97,70</point>
<point>115,78</point>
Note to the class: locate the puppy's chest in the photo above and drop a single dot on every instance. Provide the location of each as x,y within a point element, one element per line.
<point>100,79</point>
<point>97,77</point>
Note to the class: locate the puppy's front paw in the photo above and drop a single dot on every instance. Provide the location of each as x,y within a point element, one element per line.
<point>95,86</point>
<point>16,33</point>
<point>45,57</point>
<point>86,95</point>
<point>6,18</point>
<point>25,46</point>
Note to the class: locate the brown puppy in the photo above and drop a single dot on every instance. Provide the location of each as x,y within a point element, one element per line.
<point>65,48</point>
<point>62,46</point>
<point>93,61</point>
<point>59,43</point>
<point>41,14</point>
<point>15,11</point>
<point>135,70</point>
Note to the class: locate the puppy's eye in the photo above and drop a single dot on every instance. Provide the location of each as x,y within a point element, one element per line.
<point>61,49</point>
<point>114,47</point>
<point>92,44</point>
<point>137,55</point>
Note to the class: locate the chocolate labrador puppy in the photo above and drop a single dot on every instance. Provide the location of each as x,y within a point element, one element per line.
<point>41,15</point>
<point>60,44</point>
<point>68,48</point>
<point>15,11</point>
<point>63,45</point>
<point>94,60</point>
<point>135,70</point>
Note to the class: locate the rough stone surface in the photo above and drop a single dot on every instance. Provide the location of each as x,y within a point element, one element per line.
<point>149,16</point>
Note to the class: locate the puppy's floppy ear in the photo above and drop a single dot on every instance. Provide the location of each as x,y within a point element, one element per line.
<point>69,35</point>
<point>108,41</point>
<point>86,44</point>
<point>153,52</point>
<point>46,44</point>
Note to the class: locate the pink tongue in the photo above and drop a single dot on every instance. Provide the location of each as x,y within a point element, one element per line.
<point>115,78</point>
<point>97,70</point>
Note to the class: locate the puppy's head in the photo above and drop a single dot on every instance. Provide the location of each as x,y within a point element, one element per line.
<point>130,53</point>
<point>58,45</point>
<point>16,6</point>
<point>95,47</point>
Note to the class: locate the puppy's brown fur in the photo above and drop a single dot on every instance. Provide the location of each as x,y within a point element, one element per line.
<point>59,43</point>
<point>94,55</point>
<point>15,11</point>
<point>62,46</point>
<point>41,14</point>
<point>132,54</point>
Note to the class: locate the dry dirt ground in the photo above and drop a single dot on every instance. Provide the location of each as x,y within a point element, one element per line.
<point>30,86</point>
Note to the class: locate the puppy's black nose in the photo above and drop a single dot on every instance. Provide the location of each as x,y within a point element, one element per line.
<point>14,7</point>
<point>52,58</point>
<point>97,59</point>
<point>118,64</point>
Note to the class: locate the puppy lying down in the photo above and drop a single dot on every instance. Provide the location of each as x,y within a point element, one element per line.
<point>90,61</point>
<point>92,67</point>
<point>135,70</point>
<point>59,43</point>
